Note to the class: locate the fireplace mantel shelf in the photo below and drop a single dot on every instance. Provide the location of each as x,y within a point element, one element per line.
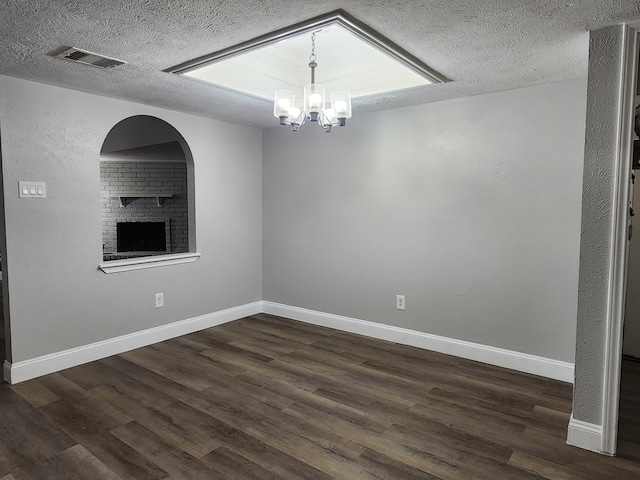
<point>158,196</point>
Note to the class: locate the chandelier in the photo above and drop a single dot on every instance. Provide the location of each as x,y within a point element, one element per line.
<point>295,112</point>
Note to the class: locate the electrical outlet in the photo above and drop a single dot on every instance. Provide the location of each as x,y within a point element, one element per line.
<point>400,304</point>
<point>159,300</point>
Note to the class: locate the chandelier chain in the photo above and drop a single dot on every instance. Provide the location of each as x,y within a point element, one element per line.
<point>313,57</point>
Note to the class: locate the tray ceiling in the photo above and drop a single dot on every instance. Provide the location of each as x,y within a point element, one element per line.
<point>482,47</point>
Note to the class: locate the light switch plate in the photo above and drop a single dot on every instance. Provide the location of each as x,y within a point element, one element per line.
<point>32,189</point>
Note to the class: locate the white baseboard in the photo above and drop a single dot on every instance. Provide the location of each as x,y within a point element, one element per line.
<point>6,371</point>
<point>473,351</point>
<point>585,435</point>
<point>36,367</point>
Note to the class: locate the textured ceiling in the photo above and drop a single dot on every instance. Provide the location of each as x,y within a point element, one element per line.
<point>482,46</point>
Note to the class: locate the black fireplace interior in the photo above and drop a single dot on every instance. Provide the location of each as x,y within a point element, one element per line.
<point>141,237</point>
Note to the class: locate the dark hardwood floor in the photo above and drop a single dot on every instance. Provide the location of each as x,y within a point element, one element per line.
<point>3,351</point>
<point>269,398</point>
<point>629,414</point>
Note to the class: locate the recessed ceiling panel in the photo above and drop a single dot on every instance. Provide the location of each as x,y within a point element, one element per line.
<point>350,57</point>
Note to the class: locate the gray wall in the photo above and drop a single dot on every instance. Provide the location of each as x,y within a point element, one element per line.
<point>58,297</point>
<point>469,207</point>
<point>136,132</point>
<point>605,54</point>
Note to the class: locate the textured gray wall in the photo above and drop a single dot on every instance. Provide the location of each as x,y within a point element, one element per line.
<point>605,54</point>
<point>5,348</point>
<point>138,131</point>
<point>469,207</point>
<point>58,299</point>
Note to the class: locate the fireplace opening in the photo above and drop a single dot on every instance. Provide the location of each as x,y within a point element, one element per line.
<point>141,237</point>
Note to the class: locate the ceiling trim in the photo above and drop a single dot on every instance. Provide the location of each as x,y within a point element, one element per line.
<point>339,17</point>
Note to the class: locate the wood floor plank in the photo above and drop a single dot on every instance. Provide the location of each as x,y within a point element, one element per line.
<point>166,388</point>
<point>35,393</point>
<point>16,452</point>
<point>74,463</point>
<point>325,406</point>
<point>277,330</point>
<point>10,399</point>
<point>260,453</point>
<point>166,365</point>
<point>525,415</point>
<point>177,463</point>
<point>544,468</point>
<point>191,342</point>
<point>415,435</point>
<point>511,392</point>
<point>388,468</point>
<point>469,454</point>
<point>612,468</point>
<point>272,342</point>
<point>542,443</point>
<point>99,374</point>
<point>164,421</point>
<point>231,464</point>
<point>242,385</point>
<point>270,398</point>
<point>272,421</point>
<point>92,434</point>
<point>93,408</point>
<point>464,417</point>
<point>39,432</point>
<point>300,379</point>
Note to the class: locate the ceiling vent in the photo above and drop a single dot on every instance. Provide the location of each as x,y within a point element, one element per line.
<point>88,58</point>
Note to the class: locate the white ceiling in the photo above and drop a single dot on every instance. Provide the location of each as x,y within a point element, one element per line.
<point>482,46</point>
<point>345,63</point>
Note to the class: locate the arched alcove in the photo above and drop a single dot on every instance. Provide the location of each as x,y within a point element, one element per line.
<point>146,179</point>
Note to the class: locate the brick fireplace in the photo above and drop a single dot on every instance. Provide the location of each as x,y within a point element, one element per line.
<point>145,179</point>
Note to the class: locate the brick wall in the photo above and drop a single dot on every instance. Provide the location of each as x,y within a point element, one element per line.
<point>147,177</point>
